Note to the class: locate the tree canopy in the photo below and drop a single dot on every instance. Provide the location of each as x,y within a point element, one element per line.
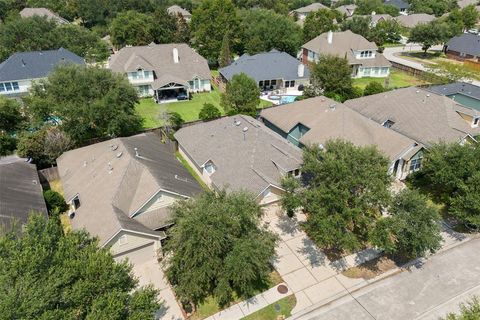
<point>435,7</point>
<point>38,33</point>
<point>411,230</point>
<point>53,275</point>
<point>319,22</point>
<point>346,188</point>
<point>468,311</point>
<point>263,30</point>
<point>87,102</point>
<point>242,95</point>
<point>333,75</point>
<point>210,21</point>
<point>430,34</point>
<point>218,249</point>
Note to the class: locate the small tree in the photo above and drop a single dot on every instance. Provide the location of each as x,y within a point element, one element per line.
<point>209,112</point>
<point>10,115</point>
<point>32,145</point>
<point>333,75</point>
<point>225,54</point>
<point>465,204</point>
<point>291,200</point>
<point>217,248</point>
<point>242,95</point>
<point>55,202</point>
<point>429,34</point>
<point>412,230</point>
<point>373,87</point>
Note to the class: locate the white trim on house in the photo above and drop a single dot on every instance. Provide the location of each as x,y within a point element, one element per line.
<point>153,196</point>
<point>157,237</point>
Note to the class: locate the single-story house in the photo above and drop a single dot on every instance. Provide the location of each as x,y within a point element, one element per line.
<point>317,120</point>
<point>240,153</point>
<point>401,5</point>
<point>375,18</point>
<point>164,71</point>
<point>179,11</point>
<point>464,93</point>
<point>362,55</point>
<point>42,12</point>
<point>347,10</point>
<point>420,114</point>
<point>462,47</point>
<point>22,68</point>
<point>271,70</point>
<point>412,20</point>
<point>120,191</point>
<point>20,192</point>
<point>303,12</point>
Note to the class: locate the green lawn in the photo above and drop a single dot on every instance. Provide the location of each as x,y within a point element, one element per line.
<point>210,306</point>
<point>284,307</point>
<point>398,79</point>
<point>149,110</point>
<point>192,172</point>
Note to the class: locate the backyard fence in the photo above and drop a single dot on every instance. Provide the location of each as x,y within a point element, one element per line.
<point>47,175</point>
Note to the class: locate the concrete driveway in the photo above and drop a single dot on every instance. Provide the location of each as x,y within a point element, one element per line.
<point>427,291</point>
<point>149,272</point>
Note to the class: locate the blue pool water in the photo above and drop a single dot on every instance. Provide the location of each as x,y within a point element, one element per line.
<point>287,99</point>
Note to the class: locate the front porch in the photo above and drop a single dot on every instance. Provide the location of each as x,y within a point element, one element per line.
<point>170,90</point>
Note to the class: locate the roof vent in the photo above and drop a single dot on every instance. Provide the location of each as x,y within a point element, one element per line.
<point>428,95</point>
<point>34,182</point>
<point>175,55</point>
<point>136,152</point>
<point>332,106</point>
<point>110,168</point>
<point>119,154</point>
<point>418,91</point>
<point>245,129</point>
<point>84,163</point>
<point>23,63</point>
<point>114,147</point>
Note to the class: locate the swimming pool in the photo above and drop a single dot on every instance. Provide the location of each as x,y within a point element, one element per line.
<point>287,99</point>
<point>466,100</point>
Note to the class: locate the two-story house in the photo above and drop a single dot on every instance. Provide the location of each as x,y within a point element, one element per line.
<point>21,69</point>
<point>362,55</point>
<point>164,71</point>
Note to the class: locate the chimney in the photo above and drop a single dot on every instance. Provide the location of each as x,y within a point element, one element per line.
<point>330,37</point>
<point>301,70</point>
<point>175,55</point>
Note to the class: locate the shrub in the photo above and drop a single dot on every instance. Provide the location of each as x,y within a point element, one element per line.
<point>373,87</point>
<point>55,202</point>
<point>209,112</point>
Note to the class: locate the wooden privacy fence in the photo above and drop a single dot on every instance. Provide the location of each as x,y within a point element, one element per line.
<point>47,175</point>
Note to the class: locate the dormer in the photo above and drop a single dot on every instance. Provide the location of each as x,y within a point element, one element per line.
<point>365,54</point>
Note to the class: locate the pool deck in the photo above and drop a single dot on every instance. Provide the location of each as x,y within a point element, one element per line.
<point>289,92</point>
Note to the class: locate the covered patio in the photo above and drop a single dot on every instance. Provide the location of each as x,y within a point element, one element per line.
<point>170,88</point>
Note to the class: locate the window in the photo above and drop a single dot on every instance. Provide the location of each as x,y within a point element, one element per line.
<point>384,70</point>
<point>273,82</point>
<point>2,87</point>
<point>366,54</point>
<point>476,121</point>
<point>287,84</point>
<point>8,86</point>
<point>366,71</point>
<point>147,74</point>
<point>15,86</point>
<point>260,83</point>
<point>388,124</point>
<point>292,83</point>
<point>267,83</point>
<point>76,203</point>
<point>415,164</point>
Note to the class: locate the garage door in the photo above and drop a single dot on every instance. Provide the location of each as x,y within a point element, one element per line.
<point>138,255</point>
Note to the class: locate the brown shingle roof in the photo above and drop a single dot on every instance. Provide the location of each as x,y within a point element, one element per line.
<point>328,119</point>
<point>311,8</point>
<point>343,44</point>
<point>412,20</point>
<point>419,114</point>
<point>159,58</point>
<point>112,182</point>
<point>42,12</point>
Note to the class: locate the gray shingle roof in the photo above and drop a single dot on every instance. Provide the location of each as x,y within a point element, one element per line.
<point>263,66</point>
<point>159,58</point>
<point>457,87</point>
<point>417,113</point>
<point>250,161</point>
<point>343,44</point>
<point>340,122</point>
<point>466,43</point>
<point>20,191</point>
<point>412,20</point>
<point>42,12</point>
<point>113,184</point>
<point>35,64</point>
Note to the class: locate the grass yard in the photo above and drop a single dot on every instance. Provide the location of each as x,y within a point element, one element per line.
<point>398,79</point>
<point>188,110</point>
<point>210,306</point>
<point>282,307</point>
<point>56,185</point>
<point>192,172</point>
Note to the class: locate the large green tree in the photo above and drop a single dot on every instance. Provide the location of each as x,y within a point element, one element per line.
<point>131,28</point>
<point>210,21</point>
<point>346,188</point>
<point>279,6</point>
<point>218,249</point>
<point>242,95</point>
<point>318,22</point>
<point>333,75</point>
<point>465,204</point>
<point>263,30</point>
<point>358,24</point>
<point>468,311</point>
<point>366,7</point>
<point>412,229</point>
<point>430,34</point>
<point>89,102</point>
<point>38,33</point>
<point>47,274</point>
<point>11,117</point>
<point>436,7</point>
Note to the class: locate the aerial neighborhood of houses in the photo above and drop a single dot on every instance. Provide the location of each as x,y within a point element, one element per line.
<point>222,159</point>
